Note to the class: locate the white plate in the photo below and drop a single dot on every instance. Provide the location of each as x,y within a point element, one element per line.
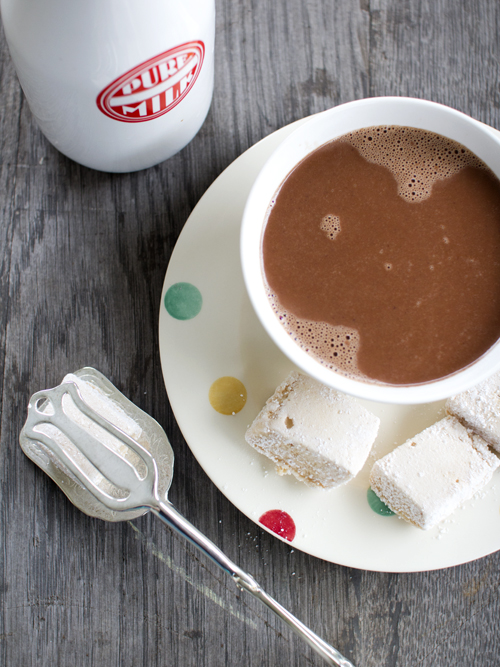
<point>226,339</point>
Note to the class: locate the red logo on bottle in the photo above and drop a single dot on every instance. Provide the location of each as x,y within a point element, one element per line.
<point>154,87</point>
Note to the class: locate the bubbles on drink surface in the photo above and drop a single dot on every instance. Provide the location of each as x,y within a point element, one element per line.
<point>331,225</point>
<point>417,159</point>
<point>335,347</point>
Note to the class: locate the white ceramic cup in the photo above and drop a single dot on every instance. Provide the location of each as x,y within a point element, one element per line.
<point>320,129</point>
<point>116,85</point>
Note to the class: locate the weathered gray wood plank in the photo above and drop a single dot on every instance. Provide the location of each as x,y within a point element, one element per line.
<point>82,261</point>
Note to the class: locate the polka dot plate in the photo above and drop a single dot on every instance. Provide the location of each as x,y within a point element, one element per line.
<point>220,367</point>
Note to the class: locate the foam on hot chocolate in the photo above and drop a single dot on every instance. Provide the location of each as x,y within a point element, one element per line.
<point>331,225</point>
<point>417,159</point>
<point>335,347</point>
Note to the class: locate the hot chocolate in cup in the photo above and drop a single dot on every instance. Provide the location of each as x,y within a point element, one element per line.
<point>277,270</point>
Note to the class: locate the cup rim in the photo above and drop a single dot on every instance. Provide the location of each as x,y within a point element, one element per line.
<point>302,141</point>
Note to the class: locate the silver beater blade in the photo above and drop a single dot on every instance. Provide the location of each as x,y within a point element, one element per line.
<point>87,407</point>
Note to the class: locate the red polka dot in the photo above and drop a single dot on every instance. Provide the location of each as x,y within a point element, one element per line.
<point>280,523</point>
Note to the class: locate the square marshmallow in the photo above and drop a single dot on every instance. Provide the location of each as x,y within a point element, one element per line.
<point>315,433</point>
<point>479,409</point>
<point>425,479</point>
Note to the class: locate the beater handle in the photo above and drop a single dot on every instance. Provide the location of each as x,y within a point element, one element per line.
<point>169,515</point>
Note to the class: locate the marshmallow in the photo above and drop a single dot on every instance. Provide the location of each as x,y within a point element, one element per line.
<point>315,433</point>
<point>425,479</point>
<point>479,409</point>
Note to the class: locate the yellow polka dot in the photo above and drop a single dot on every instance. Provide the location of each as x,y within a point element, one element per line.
<point>227,395</point>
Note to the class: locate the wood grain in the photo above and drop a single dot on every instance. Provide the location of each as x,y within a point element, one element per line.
<point>82,261</point>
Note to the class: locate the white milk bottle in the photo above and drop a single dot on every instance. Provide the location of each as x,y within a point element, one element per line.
<point>116,85</point>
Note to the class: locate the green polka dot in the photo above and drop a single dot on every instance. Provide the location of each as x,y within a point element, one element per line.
<point>377,505</point>
<point>183,301</point>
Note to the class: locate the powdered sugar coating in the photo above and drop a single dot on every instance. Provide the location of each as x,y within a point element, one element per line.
<point>479,409</point>
<point>425,479</point>
<point>319,435</point>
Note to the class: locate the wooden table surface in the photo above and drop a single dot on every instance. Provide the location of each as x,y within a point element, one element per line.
<point>83,259</point>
